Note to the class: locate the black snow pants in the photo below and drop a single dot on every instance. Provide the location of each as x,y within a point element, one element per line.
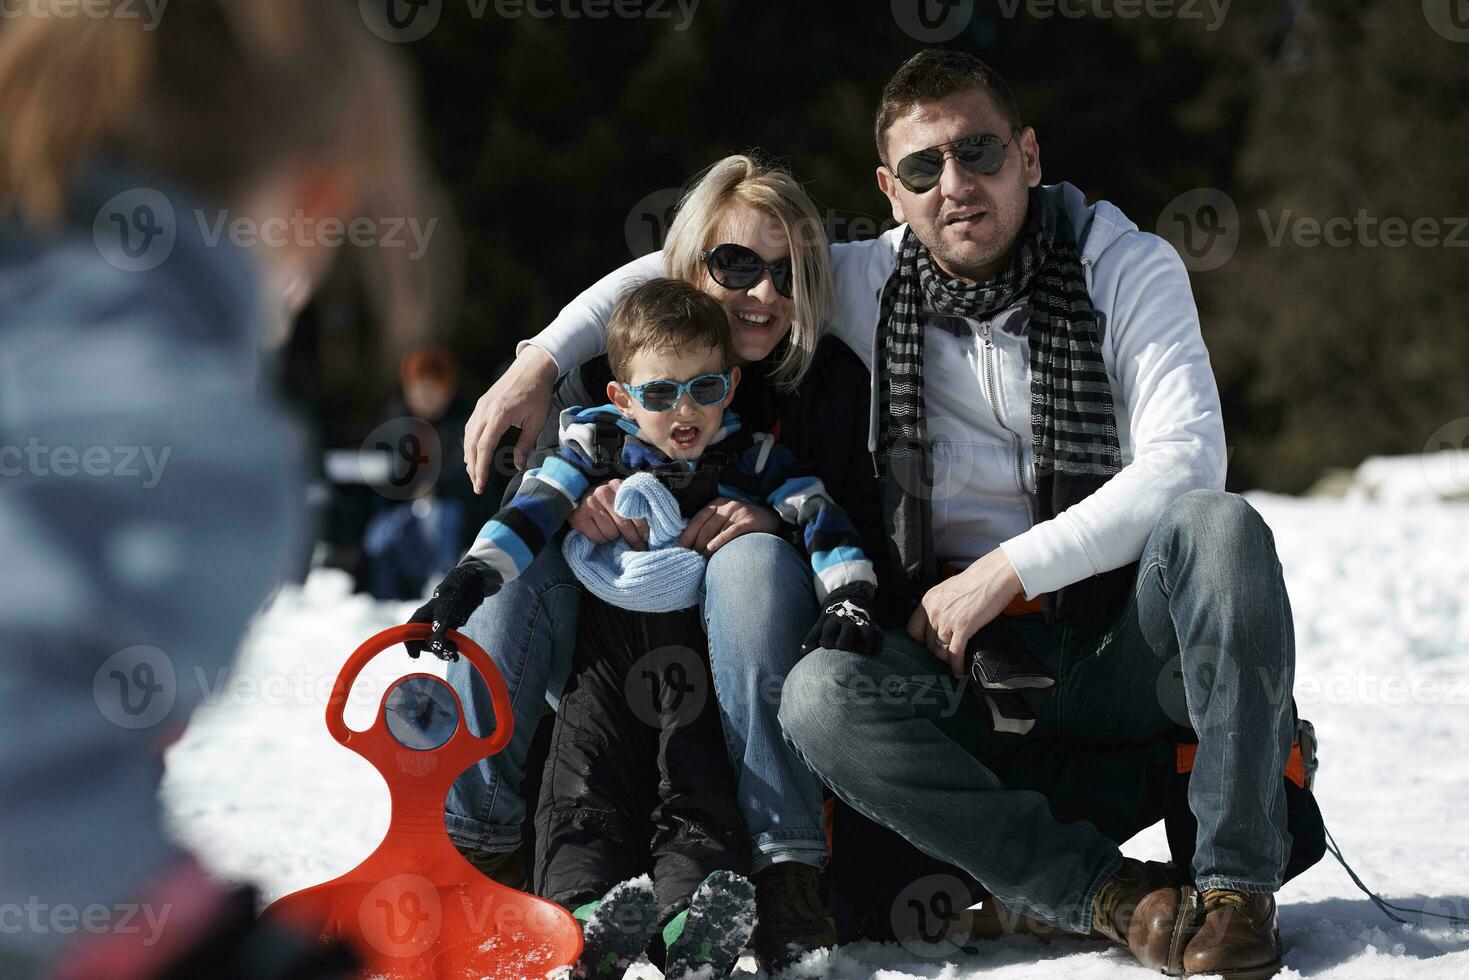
<point>637,780</point>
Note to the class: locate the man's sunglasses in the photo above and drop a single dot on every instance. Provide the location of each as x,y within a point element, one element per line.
<point>982,154</point>
<point>662,396</point>
<point>737,267</point>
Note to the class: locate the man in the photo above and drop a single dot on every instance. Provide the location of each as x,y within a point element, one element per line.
<point>1050,439</point>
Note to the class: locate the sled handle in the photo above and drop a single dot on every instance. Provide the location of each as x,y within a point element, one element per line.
<point>478,746</point>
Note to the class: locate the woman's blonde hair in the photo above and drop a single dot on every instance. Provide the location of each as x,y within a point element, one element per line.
<point>216,95</point>
<point>744,180</point>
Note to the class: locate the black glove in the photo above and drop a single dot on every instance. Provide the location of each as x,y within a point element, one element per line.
<point>848,623</point>
<point>457,596</point>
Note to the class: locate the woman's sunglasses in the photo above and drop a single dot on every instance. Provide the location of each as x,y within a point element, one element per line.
<point>662,396</point>
<point>737,267</point>
<point>982,154</point>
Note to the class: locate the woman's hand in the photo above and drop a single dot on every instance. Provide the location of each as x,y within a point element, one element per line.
<point>957,608</point>
<point>597,518</point>
<point>521,398</point>
<point>722,520</point>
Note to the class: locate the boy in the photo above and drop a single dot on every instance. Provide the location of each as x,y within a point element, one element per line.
<point>637,773</point>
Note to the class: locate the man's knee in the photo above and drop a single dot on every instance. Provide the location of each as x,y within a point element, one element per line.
<point>1224,525</point>
<point>811,700</point>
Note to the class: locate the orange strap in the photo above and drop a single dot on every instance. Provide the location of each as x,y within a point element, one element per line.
<point>1019,606</point>
<point>1295,766</point>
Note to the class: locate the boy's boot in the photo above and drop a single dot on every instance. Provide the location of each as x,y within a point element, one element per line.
<point>1238,937</point>
<point>791,919</point>
<point>1143,908</point>
<point>705,939</point>
<point>616,928</point>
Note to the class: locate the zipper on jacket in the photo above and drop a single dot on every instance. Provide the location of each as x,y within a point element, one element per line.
<point>991,388</point>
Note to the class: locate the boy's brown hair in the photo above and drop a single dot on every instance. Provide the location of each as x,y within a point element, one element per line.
<point>666,315</point>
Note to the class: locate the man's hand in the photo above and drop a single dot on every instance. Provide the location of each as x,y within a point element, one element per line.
<point>954,610</point>
<point>522,399</point>
<point>597,518</point>
<point>722,520</point>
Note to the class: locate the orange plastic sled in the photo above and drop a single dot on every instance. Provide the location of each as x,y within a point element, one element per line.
<point>416,909</point>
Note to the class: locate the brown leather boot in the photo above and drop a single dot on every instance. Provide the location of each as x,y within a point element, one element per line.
<point>1238,937</point>
<point>1144,908</point>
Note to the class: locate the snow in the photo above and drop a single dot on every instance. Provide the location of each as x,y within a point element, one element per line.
<point>1381,599</point>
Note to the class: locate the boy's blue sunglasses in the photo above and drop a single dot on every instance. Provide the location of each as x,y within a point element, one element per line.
<point>662,395</point>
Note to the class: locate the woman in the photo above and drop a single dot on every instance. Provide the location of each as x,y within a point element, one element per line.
<point>123,323</point>
<point>750,237</point>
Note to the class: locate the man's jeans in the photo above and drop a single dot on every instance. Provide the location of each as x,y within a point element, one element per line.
<point>757,609</point>
<point>1206,642</point>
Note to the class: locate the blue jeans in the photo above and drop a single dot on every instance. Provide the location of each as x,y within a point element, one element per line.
<point>758,606</point>
<point>1205,642</point>
<point>528,629</point>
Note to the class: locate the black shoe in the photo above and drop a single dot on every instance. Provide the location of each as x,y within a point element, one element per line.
<point>791,919</point>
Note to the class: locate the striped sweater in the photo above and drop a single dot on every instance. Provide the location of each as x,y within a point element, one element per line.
<point>600,444</point>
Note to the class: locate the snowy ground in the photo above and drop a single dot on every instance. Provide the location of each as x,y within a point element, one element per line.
<point>1381,597</point>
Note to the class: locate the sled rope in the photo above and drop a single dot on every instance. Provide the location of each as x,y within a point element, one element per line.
<point>1382,903</point>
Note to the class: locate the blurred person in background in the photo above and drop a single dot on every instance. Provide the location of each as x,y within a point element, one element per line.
<point>409,544</point>
<point>130,330</point>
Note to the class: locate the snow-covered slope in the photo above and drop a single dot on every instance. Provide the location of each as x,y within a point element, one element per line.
<point>1381,599</point>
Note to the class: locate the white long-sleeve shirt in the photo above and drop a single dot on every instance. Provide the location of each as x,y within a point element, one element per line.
<point>977,398</point>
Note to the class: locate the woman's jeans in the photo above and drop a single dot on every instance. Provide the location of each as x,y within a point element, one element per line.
<point>1205,643</point>
<point>757,609</point>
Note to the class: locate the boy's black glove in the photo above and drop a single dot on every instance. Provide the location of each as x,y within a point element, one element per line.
<point>848,622</point>
<point>457,596</point>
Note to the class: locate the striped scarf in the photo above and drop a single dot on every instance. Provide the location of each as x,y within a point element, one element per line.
<point>1072,420</point>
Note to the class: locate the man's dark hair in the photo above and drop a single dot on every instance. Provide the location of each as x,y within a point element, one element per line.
<point>666,315</point>
<point>934,74</point>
